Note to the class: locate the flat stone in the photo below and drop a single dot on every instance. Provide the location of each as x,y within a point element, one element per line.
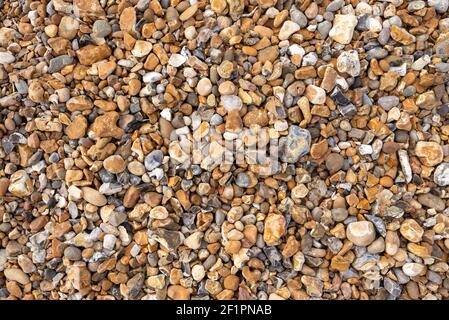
<point>79,103</point>
<point>14,274</point>
<point>431,201</point>
<point>90,54</point>
<point>114,164</point>
<point>94,197</point>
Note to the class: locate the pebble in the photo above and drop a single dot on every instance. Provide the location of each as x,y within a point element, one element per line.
<point>14,274</point>
<point>295,145</point>
<point>287,29</point>
<point>114,164</point>
<point>93,196</point>
<point>441,174</point>
<point>430,153</point>
<point>20,184</point>
<point>6,58</point>
<point>361,233</point>
<point>348,62</point>
<point>411,230</point>
<point>343,28</point>
<point>176,60</point>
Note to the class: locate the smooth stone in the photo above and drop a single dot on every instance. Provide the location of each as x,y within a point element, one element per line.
<point>432,201</point>
<point>14,274</point>
<point>413,269</point>
<point>361,233</point>
<point>101,28</point>
<point>6,58</point>
<point>94,197</point>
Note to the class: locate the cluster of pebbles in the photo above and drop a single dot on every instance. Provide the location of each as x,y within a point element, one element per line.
<point>104,196</point>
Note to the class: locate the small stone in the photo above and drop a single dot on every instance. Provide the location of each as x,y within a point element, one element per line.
<point>287,29</point>
<point>413,269</point>
<point>141,48</point>
<point>128,19</point>
<point>153,160</point>
<point>441,174</point>
<point>194,240</point>
<point>411,230</point>
<point>152,77</point>
<point>388,102</point>
<point>431,201</point>
<point>334,162</point>
<point>189,12</point>
<point>87,8</point>
<point>79,103</point>
<point>401,35</point>
<point>274,229</point>
<point>6,58</point>
<point>14,274</point>
<point>105,126</point>
<point>90,54</point>
<point>35,91</point>
<point>26,264</point>
<point>59,62</point>
<point>225,69</point>
<point>20,184</point>
<point>429,153</point>
<point>177,292</point>
<point>230,102</point>
<point>94,197</point>
<point>329,79</point>
<point>365,149</point>
<point>68,27</point>
<point>198,272</point>
<point>176,153</point>
<point>361,233</point>
<point>159,212</point>
<point>295,145</point>
<point>101,28</point>
<point>109,242</point>
<point>176,60</point>
<point>77,128</point>
<point>319,150</point>
<point>343,28</point>
<point>72,253</point>
<point>114,164</point>
<point>168,238</point>
<point>339,214</point>
<point>204,87</point>
<point>316,95</point>
<point>348,62</point>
